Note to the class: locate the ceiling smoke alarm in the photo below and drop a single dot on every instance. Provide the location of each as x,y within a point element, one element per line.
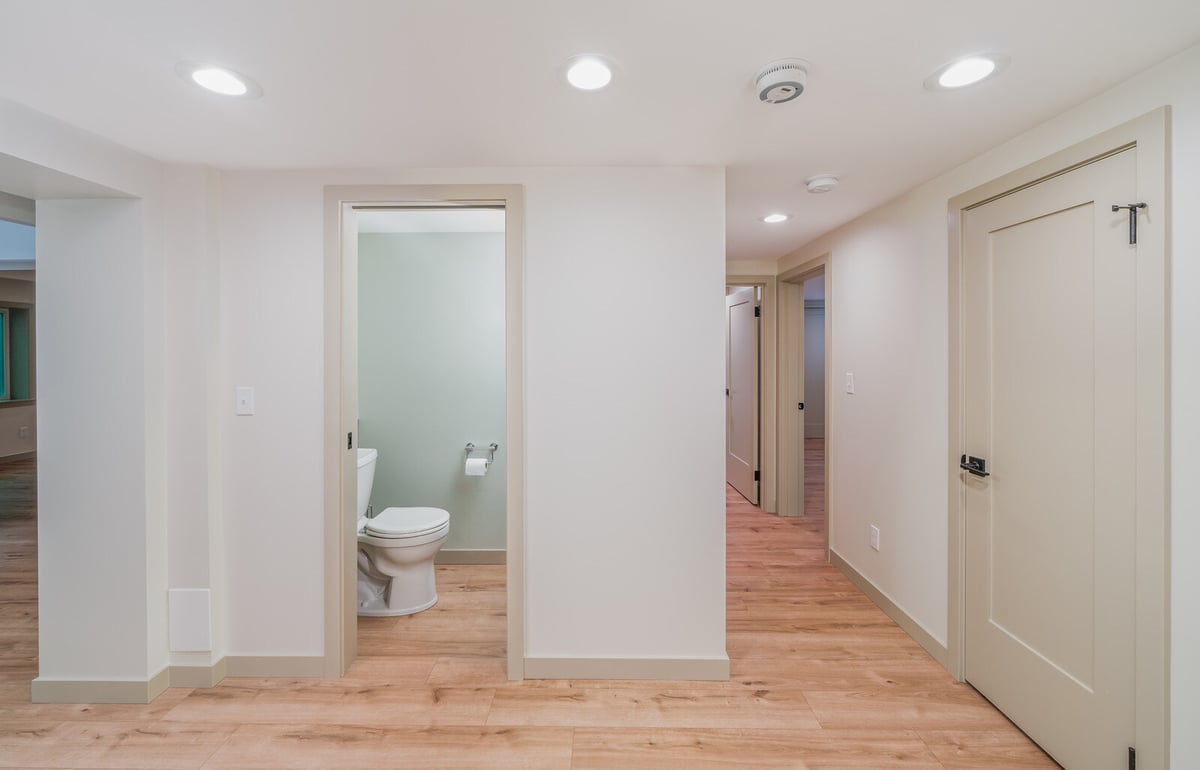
<point>781,81</point>
<point>821,183</point>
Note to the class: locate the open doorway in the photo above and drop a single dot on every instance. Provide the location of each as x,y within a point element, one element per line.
<point>814,402</point>
<point>423,371</point>
<point>743,394</point>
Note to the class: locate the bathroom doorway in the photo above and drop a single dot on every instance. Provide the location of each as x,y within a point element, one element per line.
<point>428,375</point>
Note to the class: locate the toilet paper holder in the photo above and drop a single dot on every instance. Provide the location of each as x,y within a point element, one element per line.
<point>490,449</point>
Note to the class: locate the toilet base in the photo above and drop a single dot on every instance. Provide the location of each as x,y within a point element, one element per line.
<point>382,611</point>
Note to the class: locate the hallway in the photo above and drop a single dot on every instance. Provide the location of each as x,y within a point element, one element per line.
<point>820,678</point>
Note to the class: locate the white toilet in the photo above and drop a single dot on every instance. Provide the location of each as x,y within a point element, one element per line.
<point>396,549</point>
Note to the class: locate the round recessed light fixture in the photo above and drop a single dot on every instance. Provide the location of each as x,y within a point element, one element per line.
<point>821,183</point>
<point>774,219</point>
<point>219,80</point>
<point>965,71</point>
<point>589,73</point>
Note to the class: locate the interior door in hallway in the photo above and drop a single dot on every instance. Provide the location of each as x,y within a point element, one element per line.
<point>1050,354</point>
<point>741,392</point>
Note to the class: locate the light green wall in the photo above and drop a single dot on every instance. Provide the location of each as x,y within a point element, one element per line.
<point>431,374</point>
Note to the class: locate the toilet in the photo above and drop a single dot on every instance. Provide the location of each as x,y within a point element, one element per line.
<point>396,549</point>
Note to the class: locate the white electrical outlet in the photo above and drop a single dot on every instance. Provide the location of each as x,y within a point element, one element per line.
<point>875,537</point>
<point>850,382</point>
<point>245,400</point>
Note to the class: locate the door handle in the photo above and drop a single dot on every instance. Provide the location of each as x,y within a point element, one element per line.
<point>976,466</point>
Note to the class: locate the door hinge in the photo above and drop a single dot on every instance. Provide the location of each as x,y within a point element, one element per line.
<point>350,440</point>
<point>800,406</point>
<point>1133,210</point>
<point>756,475</point>
<point>1132,758</point>
<point>757,311</point>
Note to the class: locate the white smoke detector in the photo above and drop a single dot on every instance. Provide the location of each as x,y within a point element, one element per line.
<point>821,183</point>
<point>781,81</point>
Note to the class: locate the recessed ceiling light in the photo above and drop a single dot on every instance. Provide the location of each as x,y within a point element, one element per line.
<point>774,219</point>
<point>589,73</point>
<point>219,80</point>
<point>966,71</point>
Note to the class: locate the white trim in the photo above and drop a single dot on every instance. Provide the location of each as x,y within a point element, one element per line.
<point>45,690</point>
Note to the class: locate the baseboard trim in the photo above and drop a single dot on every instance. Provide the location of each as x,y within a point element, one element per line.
<point>669,669</point>
<point>936,649</point>
<point>18,456</point>
<point>198,676</point>
<point>99,690</point>
<point>471,556</point>
<point>278,666</point>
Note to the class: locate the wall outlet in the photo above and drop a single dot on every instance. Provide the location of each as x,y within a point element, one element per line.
<point>245,400</point>
<point>23,431</point>
<point>850,382</point>
<point>875,537</point>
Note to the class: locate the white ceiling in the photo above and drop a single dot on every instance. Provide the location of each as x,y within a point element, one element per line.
<point>384,83</point>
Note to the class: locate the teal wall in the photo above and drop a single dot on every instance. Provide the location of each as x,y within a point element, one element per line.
<point>431,374</point>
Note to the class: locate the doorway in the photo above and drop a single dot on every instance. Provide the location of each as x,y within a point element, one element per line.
<point>344,210</point>
<point>1058,422</point>
<point>743,374</point>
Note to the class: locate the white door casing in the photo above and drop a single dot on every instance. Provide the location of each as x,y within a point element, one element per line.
<point>741,402</point>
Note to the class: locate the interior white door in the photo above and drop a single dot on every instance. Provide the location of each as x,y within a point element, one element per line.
<point>1050,353</point>
<point>741,401</point>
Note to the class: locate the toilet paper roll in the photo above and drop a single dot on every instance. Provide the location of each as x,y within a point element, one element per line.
<point>477,466</point>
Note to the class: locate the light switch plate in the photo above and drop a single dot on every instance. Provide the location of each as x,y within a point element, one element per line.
<point>850,382</point>
<point>875,537</point>
<point>245,400</point>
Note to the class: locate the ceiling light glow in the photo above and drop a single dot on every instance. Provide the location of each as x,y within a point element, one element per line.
<point>774,219</point>
<point>589,73</point>
<point>966,71</point>
<point>222,81</point>
<point>218,80</point>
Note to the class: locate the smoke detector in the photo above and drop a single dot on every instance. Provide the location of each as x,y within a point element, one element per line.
<point>781,81</point>
<point>821,183</point>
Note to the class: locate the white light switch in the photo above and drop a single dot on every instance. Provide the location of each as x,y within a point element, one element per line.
<point>850,382</point>
<point>245,399</point>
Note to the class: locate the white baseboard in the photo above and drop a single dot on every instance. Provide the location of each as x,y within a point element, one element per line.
<point>471,556</point>
<point>98,690</point>
<point>936,649</point>
<point>198,676</point>
<point>669,669</point>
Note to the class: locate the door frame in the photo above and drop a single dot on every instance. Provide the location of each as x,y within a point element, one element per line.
<point>791,386</point>
<point>341,618</point>
<point>1150,135</point>
<point>767,324</point>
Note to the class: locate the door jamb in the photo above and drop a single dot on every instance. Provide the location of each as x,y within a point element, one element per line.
<point>339,536</point>
<point>1150,135</point>
<point>767,462</point>
<point>791,381</point>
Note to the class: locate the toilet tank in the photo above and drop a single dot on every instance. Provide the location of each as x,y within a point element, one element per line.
<point>366,477</point>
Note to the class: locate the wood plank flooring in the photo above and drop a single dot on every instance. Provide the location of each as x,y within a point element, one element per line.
<point>821,679</point>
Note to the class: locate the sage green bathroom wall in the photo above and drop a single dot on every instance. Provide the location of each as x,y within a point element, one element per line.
<point>431,374</point>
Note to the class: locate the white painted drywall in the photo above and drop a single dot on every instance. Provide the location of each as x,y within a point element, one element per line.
<point>624,441</point>
<point>814,370</point>
<point>431,374</point>
<point>95,579</point>
<point>890,329</point>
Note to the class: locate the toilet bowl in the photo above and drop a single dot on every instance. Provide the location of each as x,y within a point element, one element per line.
<point>396,549</point>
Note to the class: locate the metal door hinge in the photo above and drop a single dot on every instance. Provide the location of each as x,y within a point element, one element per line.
<point>1133,210</point>
<point>350,440</point>
<point>756,475</point>
<point>800,406</point>
<point>757,311</point>
<point>1132,758</point>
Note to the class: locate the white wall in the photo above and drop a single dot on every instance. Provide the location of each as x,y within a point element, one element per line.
<point>622,436</point>
<point>890,329</point>
<point>814,370</point>
<point>431,375</point>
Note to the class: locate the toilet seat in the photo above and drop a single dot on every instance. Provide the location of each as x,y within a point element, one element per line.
<point>400,523</point>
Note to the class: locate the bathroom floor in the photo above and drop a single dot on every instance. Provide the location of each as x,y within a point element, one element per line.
<point>821,678</point>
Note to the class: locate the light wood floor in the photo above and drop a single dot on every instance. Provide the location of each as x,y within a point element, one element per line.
<point>821,679</point>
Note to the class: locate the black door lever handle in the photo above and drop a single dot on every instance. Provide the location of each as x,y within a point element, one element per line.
<point>976,466</point>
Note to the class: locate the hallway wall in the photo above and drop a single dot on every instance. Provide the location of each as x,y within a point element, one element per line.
<point>890,329</point>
